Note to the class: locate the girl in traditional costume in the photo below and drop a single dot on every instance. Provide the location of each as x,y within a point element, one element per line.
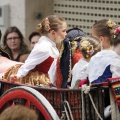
<point>89,46</point>
<point>35,69</point>
<point>60,71</point>
<point>102,30</point>
<point>106,64</point>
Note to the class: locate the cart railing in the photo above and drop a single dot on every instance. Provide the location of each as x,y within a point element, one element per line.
<point>79,104</point>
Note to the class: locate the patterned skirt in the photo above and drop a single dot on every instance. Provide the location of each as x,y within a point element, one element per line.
<point>32,78</point>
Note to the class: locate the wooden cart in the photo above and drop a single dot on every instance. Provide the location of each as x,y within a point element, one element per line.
<point>54,104</point>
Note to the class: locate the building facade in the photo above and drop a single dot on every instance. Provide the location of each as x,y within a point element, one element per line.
<point>26,14</point>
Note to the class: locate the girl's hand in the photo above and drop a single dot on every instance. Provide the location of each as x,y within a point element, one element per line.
<point>68,87</point>
<point>14,78</point>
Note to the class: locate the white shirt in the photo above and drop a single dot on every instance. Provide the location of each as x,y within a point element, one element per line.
<point>100,61</point>
<point>79,71</point>
<point>41,51</point>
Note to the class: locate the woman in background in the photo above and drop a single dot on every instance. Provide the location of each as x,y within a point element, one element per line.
<point>13,43</point>
<point>33,39</point>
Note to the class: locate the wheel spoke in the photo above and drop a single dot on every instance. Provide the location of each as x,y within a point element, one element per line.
<point>13,104</point>
<point>27,104</point>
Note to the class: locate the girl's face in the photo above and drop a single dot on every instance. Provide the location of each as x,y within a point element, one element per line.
<point>60,33</point>
<point>13,41</point>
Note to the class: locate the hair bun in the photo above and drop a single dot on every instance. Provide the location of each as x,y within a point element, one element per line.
<point>46,24</point>
<point>85,43</point>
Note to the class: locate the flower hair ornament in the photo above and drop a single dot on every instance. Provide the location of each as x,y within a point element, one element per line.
<point>111,24</point>
<point>39,26</point>
<point>88,47</point>
<point>116,32</point>
<point>46,24</point>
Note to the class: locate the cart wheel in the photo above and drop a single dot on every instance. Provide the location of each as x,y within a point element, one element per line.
<point>30,98</point>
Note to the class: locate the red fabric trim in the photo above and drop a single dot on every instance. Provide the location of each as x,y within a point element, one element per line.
<point>58,75</point>
<point>44,66</point>
<point>76,57</point>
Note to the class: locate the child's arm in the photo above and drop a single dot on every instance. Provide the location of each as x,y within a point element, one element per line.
<point>36,57</point>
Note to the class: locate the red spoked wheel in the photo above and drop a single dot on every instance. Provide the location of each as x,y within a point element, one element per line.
<point>31,98</point>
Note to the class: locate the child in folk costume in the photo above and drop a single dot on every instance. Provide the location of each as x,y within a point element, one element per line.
<point>102,31</point>
<point>35,69</point>
<point>60,71</point>
<point>105,64</point>
<point>89,46</point>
